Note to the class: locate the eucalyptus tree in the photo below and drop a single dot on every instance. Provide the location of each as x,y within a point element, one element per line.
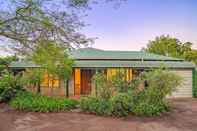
<point>24,22</point>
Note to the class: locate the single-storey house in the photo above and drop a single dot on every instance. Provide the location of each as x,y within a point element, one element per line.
<point>88,61</point>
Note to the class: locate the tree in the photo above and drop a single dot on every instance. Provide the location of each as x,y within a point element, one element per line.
<point>52,58</point>
<point>169,46</point>
<point>24,22</point>
<point>191,56</point>
<point>5,61</point>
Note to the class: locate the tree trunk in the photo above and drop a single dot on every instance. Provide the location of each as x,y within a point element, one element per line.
<point>39,88</point>
<point>67,89</point>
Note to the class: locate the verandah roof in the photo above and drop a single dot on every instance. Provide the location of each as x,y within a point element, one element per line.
<point>23,64</point>
<point>135,64</point>
<point>104,63</point>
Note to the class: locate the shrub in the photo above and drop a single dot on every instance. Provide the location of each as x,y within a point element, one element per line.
<point>104,90</point>
<point>118,105</point>
<point>161,82</point>
<point>38,103</point>
<point>144,104</point>
<point>95,105</point>
<point>151,101</point>
<point>120,83</point>
<point>122,104</point>
<point>9,86</point>
<point>150,109</point>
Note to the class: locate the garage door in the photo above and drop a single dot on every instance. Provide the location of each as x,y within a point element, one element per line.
<point>185,90</point>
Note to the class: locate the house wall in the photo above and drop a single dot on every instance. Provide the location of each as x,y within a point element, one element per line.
<point>185,89</point>
<point>60,91</point>
<point>71,86</point>
<point>57,91</point>
<point>48,91</point>
<point>76,79</point>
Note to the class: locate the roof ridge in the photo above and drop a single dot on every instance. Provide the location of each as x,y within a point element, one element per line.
<point>90,48</point>
<point>145,53</point>
<point>164,56</point>
<point>122,51</point>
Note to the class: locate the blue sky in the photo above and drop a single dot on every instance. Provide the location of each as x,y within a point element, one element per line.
<point>136,21</point>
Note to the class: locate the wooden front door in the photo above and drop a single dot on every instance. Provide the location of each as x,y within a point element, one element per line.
<point>86,78</point>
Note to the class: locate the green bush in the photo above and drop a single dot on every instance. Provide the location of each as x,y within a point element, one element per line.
<point>150,109</point>
<point>95,105</point>
<point>9,86</point>
<point>152,100</point>
<point>38,103</point>
<point>119,82</point>
<point>161,82</point>
<point>122,104</point>
<point>145,104</point>
<point>104,90</point>
<point>118,105</point>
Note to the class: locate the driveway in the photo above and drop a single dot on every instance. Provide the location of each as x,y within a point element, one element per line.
<point>183,117</point>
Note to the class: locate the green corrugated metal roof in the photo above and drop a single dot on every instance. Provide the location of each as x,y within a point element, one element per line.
<point>134,64</point>
<point>95,54</point>
<point>90,57</point>
<point>23,64</point>
<point>115,63</point>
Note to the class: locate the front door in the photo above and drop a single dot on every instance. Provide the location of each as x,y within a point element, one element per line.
<point>86,78</point>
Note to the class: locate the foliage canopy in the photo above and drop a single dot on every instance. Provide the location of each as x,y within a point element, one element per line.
<point>169,46</point>
<point>53,58</point>
<point>24,22</point>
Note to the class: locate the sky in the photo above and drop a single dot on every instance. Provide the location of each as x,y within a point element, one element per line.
<point>135,22</point>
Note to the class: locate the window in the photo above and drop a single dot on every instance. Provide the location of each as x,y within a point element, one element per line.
<point>50,81</point>
<point>113,71</point>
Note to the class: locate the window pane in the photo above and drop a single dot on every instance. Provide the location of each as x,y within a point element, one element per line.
<point>50,81</point>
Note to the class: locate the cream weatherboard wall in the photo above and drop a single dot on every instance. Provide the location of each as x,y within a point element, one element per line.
<point>185,89</point>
